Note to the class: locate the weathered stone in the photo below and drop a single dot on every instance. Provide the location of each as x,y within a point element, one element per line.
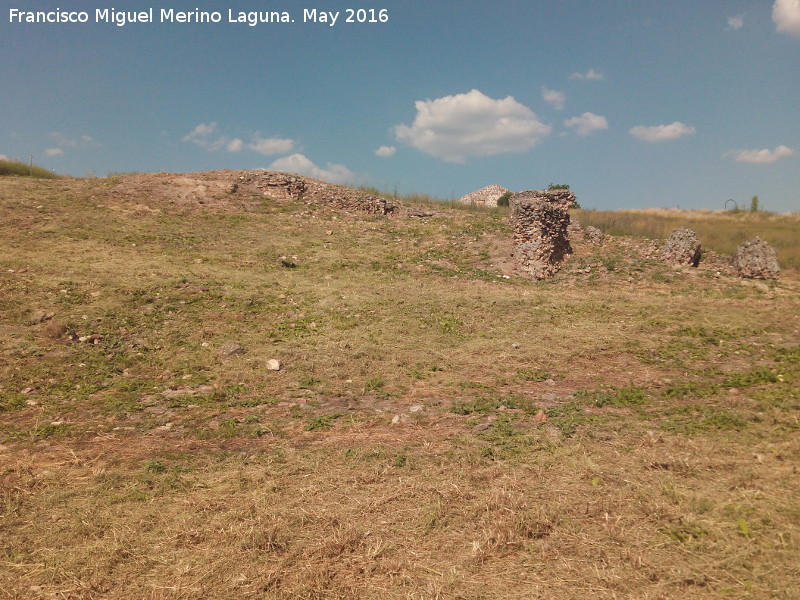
<point>540,222</point>
<point>274,364</point>
<point>574,228</point>
<point>756,259</point>
<point>230,350</point>
<point>682,248</point>
<point>561,198</point>
<point>487,196</point>
<point>594,235</point>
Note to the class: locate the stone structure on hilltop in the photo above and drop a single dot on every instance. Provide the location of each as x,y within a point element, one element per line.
<point>756,259</point>
<point>284,186</point>
<point>487,196</point>
<point>540,220</point>
<point>682,248</point>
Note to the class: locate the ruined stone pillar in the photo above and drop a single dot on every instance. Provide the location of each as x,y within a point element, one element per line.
<point>540,220</point>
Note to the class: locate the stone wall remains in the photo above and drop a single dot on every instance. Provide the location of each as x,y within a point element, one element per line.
<point>541,221</point>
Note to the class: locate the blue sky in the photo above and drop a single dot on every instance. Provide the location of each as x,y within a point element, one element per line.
<point>632,103</point>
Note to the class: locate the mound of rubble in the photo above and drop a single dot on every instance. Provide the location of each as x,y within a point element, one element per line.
<point>756,259</point>
<point>682,248</point>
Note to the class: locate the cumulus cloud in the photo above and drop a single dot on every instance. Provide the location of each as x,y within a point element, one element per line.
<point>660,133</point>
<point>235,145</point>
<point>385,151</point>
<point>206,135</point>
<point>301,165</point>
<point>761,157</point>
<point>54,152</point>
<point>591,74</point>
<point>472,124</point>
<point>736,22</point>
<point>202,134</point>
<point>554,98</point>
<point>269,146</point>
<point>65,141</point>
<point>587,123</point>
<point>4,157</point>
<point>786,15</point>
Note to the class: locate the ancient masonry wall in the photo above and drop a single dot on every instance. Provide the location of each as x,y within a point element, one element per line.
<point>540,220</point>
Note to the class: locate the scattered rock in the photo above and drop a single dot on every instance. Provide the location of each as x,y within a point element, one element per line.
<point>756,259</point>
<point>230,350</point>
<point>401,420</point>
<point>540,417</point>
<point>682,248</point>
<point>274,364</point>
<point>418,212</point>
<point>40,316</point>
<point>416,408</point>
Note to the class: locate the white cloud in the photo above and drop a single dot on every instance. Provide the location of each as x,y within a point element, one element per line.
<point>54,152</point>
<point>555,98</point>
<point>206,136</point>
<point>385,151</point>
<point>4,157</point>
<point>761,157</point>
<point>454,127</point>
<point>269,146</point>
<point>591,74</point>
<point>587,123</point>
<point>200,135</point>
<point>660,133</point>
<point>64,140</point>
<point>786,14</point>
<point>299,164</point>
<point>736,22</point>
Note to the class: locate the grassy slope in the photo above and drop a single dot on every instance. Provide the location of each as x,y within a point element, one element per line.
<point>663,468</point>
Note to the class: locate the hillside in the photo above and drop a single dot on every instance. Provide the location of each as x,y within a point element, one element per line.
<point>439,426</point>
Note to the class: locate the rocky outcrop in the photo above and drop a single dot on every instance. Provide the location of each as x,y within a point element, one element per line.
<point>756,259</point>
<point>485,196</point>
<point>541,241</point>
<point>682,248</point>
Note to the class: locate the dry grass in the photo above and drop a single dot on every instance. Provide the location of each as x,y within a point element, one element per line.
<point>630,432</point>
<point>720,231</point>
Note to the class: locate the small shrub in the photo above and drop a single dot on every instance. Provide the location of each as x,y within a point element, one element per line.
<point>503,200</point>
<point>558,186</point>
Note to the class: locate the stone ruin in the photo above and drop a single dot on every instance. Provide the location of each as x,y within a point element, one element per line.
<point>595,236</point>
<point>756,259</point>
<point>540,220</point>
<point>682,248</point>
<point>284,186</point>
<point>487,196</point>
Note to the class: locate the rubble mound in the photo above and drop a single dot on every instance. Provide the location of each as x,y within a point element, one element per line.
<point>541,241</point>
<point>487,196</point>
<point>682,248</point>
<point>595,236</point>
<point>756,259</point>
